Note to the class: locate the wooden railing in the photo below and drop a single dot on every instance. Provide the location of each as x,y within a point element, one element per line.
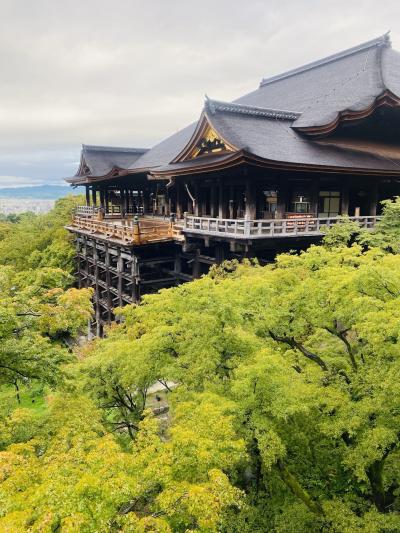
<point>129,232</point>
<point>86,210</point>
<point>256,229</point>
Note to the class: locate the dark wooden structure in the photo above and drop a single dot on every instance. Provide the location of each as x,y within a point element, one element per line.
<point>266,173</point>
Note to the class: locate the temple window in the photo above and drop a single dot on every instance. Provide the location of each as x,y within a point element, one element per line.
<point>328,204</point>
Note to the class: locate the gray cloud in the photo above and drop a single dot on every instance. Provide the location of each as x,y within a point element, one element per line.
<point>130,73</point>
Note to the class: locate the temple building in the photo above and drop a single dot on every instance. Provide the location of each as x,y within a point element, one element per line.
<point>267,172</point>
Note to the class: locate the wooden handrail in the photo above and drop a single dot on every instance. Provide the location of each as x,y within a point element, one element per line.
<point>253,229</point>
<point>130,232</point>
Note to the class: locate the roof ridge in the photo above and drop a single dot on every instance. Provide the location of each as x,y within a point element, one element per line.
<point>95,148</point>
<point>230,107</point>
<point>383,40</point>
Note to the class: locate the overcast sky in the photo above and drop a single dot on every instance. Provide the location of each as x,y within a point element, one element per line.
<point>128,73</point>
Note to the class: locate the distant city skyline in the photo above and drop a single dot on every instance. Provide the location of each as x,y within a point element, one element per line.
<point>129,74</point>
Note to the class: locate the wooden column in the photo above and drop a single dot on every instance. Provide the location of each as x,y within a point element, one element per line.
<point>102,200</point>
<point>223,201</point>
<point>344,199</point>
<point>282,198</point>
<point>314,196</point>
<point>94,196</point>
<point>231,202</point>
<point>96,290</point>
<point>120,270</point>
<point>106,200</point>
<point>203,202</point>
<point>197,196</point>
<point>122,193</point>
<point>251,205</point>
<point>179,207</point>
<point>189,201</point>
<point>108,282</point>
<point>146,200</point>
<point>213,202</point>
<point>373,198</point>
<point>196,265</point>
<point>87,191</point>
<point>127,193</point>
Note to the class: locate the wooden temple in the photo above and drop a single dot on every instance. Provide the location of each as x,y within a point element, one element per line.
<point>266,173</point>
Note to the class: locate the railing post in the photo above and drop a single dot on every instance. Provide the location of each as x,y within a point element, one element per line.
<point>171,225</point>
<point>136,230</point>
<point>185,219</point>
<point>246,226</point>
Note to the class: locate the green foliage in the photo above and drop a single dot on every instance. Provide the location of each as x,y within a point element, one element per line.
<point>281,411</point>
<point>386,235</point>
<point>39,312</point>
<point>35,241</point>
<point>341,233</point>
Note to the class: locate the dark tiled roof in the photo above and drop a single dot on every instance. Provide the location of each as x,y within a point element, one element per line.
<point>382,40</point>
<point>275,140</point>
<point>102,159</point>
<point>166,150</point>
<point>349,80</point>
<point>263,122</point>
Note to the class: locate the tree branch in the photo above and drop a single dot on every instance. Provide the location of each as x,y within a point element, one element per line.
<point>290,341</point>
<point>295,487</point>
<point>341,334</point>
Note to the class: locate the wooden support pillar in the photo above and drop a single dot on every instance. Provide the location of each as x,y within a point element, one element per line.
<point>251,205</point>
<point>122,193</point>
<point>203,201</point>
<point>189,199</point>
<point>179,206</point>
<point>373,199</point>
<point>344,199</point>
<point>99,327</point>
<point>94,196</point>
<point>219,253</point>
<point>78,262</point>
<point>120,270</point>
<point>282,198</point>
<point>168,203</point>
<point>135,276</point>
<point>314,196</point>
<point>102,200</point>
<point>106,200</point>
<point>87,191</point>
<point>197,205</point>
<point>196,265</point>
<point>231,202</point>
<point>108,282</point>
<point>213,201</point>
<point>146,200</point>
<point>223,201</point>
<point>126,199</point>
<point>178,263</point>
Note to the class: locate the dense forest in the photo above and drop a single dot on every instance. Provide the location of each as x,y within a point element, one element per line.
<point>277,407</point>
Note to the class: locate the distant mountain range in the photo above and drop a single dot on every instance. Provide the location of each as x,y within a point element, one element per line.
<point>39,192</point>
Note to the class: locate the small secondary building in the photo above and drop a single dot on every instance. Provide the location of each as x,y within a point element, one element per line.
<point>265,173</point>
